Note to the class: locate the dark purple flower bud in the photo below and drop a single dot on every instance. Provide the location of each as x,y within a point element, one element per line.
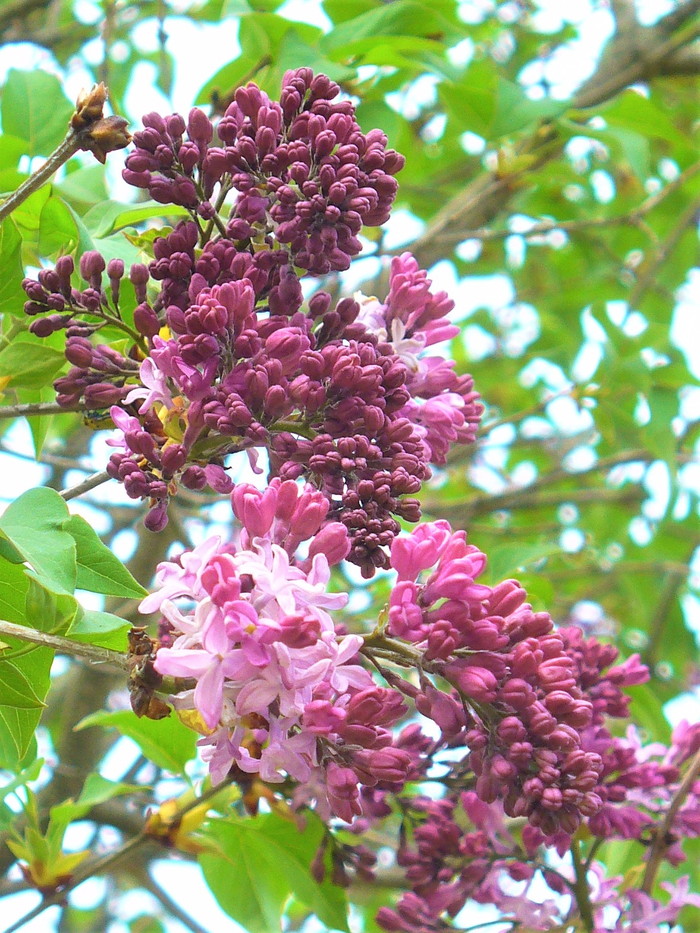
<point>146,320</point>
<point>175,125</point>
<point>79,352</point>
<point>157,518</point>
<point>173,458</point>
<point>194,477</point>
<point>92,265</point>
<point>139,277</point>
<point>103,394</point>
<point>199,127</point>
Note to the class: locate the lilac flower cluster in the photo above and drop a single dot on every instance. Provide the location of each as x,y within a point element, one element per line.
<point>343,396</point>
<point>98,374</point>
<point>492,863</point>
<point>279,692</point>
<point>303,170</point>
<point>352,403</point>
<point>637,781</point>
<point>522,709</point>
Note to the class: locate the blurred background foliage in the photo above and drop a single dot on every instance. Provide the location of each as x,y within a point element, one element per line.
<point>552,185</point>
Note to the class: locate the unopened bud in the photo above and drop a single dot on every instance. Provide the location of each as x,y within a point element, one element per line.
<point>146,321</point>
<point>89,107</point>
<point>105,136</point>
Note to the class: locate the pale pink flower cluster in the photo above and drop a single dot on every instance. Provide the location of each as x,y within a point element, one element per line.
<point>278,690</point>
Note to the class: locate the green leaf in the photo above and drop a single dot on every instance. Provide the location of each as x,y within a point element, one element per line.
<point>30,773</point>
<point>633,111</point>
<point>84,186</point>
<point>401,18</point>
<point>99,628</point>
<point>15,689</point>
<point>12,296</point>
<point>255,893</point>
<point>29,364</point>
<point>35,525</point>
<point>58,232</point>
<point>508,560</point>
<point>14,584</point>
<point>110,216</point>
<point>11,151</point>
<point>99,571</point>
<point>166,742</point>
<point>17,726</point>
<point>47,611</point>
<point>41,426</point>
<point>245,884</point>
<point>96,790</point>
<point>35,108</point>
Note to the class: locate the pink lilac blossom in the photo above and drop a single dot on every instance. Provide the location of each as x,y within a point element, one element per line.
<point>279,691</point>
<point>442,405</point>
<point>524,709</point>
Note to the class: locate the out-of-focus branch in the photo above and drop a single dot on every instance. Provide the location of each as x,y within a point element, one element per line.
<point>673,582</point>
<point>529,496</point>
<point>462,513</point>
<point>633,217</point>
<point>688,218</point>
<point>661,833</point>
<point>632,55</point>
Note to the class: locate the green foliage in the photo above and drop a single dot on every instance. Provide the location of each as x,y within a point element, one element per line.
<point>167,742</point>
<point>35,109</point>
<point>246,878</point>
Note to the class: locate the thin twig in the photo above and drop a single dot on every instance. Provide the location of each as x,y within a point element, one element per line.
<point>37,408</point>
<point>75,649</point>
<point>93,868</point>
<point>58,157</point>
<point>170,905</point>
<point>633,217</point>
<point>660,844</point>
<point>97,479</point>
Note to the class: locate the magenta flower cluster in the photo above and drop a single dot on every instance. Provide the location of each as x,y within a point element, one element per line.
<point>230,346</point>
<point>302,168</point>
<point>345,396</point>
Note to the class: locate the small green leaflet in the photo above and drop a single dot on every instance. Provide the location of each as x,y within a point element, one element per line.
<point>35,525</point>
<point>99,571</point>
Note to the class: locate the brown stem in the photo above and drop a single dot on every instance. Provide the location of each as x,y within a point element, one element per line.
<point>37,408</point>
<point>58,157</point>
<point>63,645</point>
<point>97,479</point>
<point>659,844</point>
